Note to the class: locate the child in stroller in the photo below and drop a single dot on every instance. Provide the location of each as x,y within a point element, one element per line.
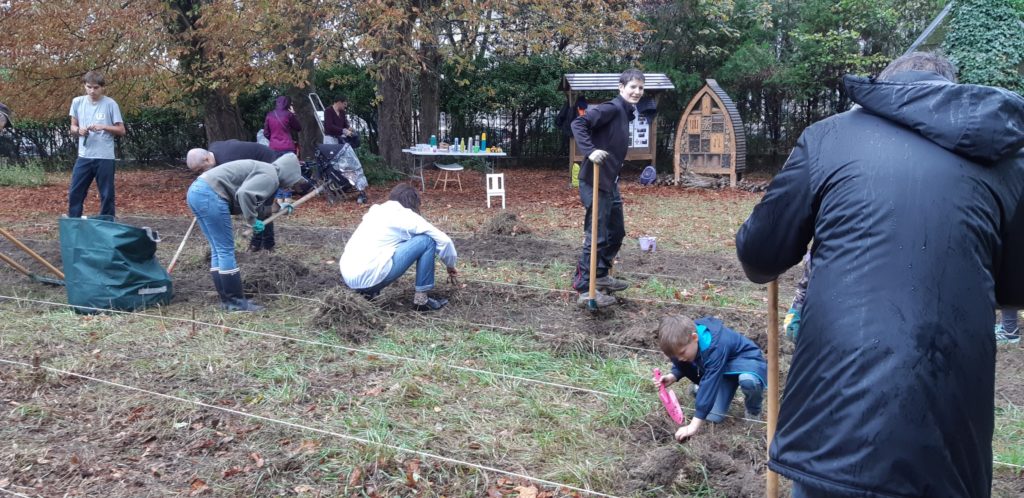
<point>337,166</point>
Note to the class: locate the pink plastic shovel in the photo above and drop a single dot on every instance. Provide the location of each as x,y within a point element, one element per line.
<point>668,398</point>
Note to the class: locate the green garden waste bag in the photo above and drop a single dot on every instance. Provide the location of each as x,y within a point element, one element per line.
<point>110,265</point>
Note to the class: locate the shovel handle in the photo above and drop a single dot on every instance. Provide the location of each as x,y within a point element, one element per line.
<point>30,252</point>
<point>297,203</point>
<point>773,378</point>
<point>181,246</point>
<point>592,304</point>
<point>14,264</point>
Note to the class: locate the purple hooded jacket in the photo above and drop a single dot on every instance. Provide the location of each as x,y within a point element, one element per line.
<point>279,124</point>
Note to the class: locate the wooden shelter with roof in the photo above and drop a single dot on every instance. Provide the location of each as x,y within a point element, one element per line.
<point>643,133</point>
<point>710,137</point>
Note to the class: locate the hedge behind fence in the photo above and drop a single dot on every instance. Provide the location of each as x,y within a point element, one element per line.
<point>153,135</point>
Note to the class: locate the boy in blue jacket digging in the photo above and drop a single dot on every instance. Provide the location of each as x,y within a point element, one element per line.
<point>717,359</point>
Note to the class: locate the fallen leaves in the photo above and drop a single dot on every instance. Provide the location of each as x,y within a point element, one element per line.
<point>197,487</point>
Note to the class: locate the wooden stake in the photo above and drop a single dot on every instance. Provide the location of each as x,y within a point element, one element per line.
<point>592,304</point>
<point>181,246</point>
<point>773,378</point>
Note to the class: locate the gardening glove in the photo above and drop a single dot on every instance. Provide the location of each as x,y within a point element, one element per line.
<point>792,323</point>
<point>287,207</point>
<point>598,156</point>
<point>258,226</point>
<point>453,276</point>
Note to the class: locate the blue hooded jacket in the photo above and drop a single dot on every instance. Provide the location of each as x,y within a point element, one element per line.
<point>721,351</point>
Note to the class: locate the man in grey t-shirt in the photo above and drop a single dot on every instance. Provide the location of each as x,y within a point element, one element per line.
<point>96,120</point>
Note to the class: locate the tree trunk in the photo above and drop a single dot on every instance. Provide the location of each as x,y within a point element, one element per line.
<point>430,92</point>
<point>395,118</point>
<point>222,119</point>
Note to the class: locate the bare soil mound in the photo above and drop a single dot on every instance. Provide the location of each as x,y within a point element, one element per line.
<point>506,223</point>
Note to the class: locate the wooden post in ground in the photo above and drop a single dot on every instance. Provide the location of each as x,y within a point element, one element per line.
<point>773,378</point>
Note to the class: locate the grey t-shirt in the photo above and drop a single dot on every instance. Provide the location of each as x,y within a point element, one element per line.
<point>100,144</point>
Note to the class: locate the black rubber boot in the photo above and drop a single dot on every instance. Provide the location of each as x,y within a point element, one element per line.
<point>215,275</point>
<point>236,301</point>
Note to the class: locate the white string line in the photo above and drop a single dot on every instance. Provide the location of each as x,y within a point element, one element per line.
<point>325,432</point>
<point>334,346</point>
<point>339,435</point>
<point>658,301</point>
<point>627,272</point>
<point>12,493</point>
<point>362,351</point>
<point>474,324</point>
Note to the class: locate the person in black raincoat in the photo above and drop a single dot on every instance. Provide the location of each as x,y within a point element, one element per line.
<point>912,200</point>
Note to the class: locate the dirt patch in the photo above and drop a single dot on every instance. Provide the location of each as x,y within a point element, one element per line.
<point>1009,388</point>
<point>506,223</point>
<point>655,469</point>
<point>268,273</point>
<point>349,314</point>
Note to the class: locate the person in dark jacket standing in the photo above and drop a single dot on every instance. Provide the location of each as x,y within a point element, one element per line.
<point>913,201</point>
<point>602,136</point>
<point>719,360</point>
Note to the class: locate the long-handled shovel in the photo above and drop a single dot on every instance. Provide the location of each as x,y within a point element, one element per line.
<point>592,303</point>
<point>181,246</point>
<point>773,377</point>
<point>30,252</point>
<point>297,203</point>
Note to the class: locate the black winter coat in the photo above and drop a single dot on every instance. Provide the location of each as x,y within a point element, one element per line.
<point>604,127</point>
<point>234,150</point>
<point>911,201</point>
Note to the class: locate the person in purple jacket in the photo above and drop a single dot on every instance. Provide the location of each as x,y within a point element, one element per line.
<point>279,125</point>
<point>719,360</point>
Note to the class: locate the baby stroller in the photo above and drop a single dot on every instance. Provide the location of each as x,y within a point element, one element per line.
<point>336,166</point>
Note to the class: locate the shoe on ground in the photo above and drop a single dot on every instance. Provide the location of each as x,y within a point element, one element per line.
<point>431,305</point>
<point>609,283</point>
<point>241,305</point>
<point>1004,337</point>
<point>751,416</point>
<point>600,298</point>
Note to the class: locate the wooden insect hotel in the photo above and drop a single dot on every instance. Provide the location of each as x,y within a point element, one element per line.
<point>710,137</point>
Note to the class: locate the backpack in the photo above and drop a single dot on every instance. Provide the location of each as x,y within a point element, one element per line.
<point>649,175</point>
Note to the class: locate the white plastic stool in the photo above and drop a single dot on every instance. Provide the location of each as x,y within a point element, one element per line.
<point>496,187</point>
<point>456,167</point>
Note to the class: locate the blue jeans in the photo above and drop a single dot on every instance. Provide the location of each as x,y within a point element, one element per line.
<point>753,394</point>
<point>85,170</point>
<point>214,216</point>
<point>420,250</point>
<point>611,229</point>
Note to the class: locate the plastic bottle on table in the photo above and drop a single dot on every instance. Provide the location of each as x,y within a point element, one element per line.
<point>483,142</point>
<point>433,142</point>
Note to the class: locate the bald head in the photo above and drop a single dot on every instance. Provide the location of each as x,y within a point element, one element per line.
<point>200,160</point>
